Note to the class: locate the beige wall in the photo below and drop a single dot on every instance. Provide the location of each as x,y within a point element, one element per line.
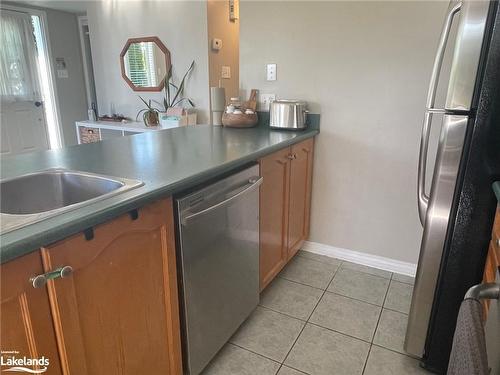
<point>182,27</point>
<point>219,26</point>
<point>365,67</point>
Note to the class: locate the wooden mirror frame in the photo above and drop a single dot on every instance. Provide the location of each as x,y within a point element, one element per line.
<point>161,46</point>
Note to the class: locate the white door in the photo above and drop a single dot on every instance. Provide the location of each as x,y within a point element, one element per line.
<point>23,127</point>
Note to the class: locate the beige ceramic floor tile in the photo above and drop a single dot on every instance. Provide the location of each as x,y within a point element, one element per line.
<point>268,333</point>
<point>319,351</point>
<point>385,362</point>
<point>346,315</point>
<point>232,360</point>
<point>291,298</point>
<point>360,285</point>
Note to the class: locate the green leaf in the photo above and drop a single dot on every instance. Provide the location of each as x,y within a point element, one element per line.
<point>146,104</point>
<point>181,85</point>
<point>138,113</point>
<point>181,100</point>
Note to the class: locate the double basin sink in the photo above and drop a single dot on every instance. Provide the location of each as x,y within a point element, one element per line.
<point>36,196</point>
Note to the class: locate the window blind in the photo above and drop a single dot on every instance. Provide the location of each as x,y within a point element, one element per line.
<point>141,64</point>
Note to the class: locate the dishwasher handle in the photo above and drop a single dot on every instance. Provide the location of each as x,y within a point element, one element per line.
<point>253,183</point>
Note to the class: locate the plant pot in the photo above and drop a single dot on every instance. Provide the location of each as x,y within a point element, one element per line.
<point>176,117</point>
<point>151,118</point>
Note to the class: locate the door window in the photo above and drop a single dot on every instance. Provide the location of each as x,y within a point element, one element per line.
<point>18,78</point>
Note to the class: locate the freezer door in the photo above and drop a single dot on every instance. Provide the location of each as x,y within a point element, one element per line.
<point>435,225</point>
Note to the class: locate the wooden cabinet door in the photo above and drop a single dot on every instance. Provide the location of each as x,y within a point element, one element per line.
<point>300,195</point>
<point>26,323</point>
<point>275,169</point>
<point>118,312</point>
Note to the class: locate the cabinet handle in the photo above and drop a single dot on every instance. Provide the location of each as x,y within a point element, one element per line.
<point>292,156</point>
<point>498,242</point>
<point>40,280</point>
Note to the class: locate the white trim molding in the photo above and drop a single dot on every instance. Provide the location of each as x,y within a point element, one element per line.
<point>365,259</point>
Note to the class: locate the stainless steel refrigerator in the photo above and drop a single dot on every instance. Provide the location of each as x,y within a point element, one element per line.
<point>457,212</point>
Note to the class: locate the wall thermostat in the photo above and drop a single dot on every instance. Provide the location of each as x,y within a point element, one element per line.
<point>216,44</point>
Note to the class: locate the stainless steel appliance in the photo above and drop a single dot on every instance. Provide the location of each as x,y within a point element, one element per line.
<point>457,213</point>
<point>218,256</point>
<point>288,114</point>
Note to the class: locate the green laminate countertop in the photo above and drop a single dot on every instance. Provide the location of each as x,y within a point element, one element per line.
<point>496,189</point>
<point>167,161</point>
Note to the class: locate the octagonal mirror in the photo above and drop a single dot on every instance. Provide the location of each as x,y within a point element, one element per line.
<point>145,63</point>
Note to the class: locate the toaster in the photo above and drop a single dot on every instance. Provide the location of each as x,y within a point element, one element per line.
<point>288,114</point>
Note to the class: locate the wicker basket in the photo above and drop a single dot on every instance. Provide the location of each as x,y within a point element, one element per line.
<point>240,120</point>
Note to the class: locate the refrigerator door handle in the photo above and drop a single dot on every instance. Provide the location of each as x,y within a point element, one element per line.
<point>422,197</point>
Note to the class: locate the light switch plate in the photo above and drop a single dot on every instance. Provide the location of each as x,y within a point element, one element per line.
<point>271,72</point>
<point>226,72</point>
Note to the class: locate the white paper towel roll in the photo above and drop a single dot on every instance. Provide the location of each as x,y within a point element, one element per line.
<point>218,104</point>
<point>218,99</point>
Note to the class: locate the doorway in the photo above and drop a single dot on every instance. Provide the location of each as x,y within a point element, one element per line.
<point>88,70</point>
<point>29,118</point>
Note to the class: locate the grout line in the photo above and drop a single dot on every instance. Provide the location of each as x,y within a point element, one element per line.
<point>376,327</point>
<point>395,351</point>
<point>312,312</point>
<point>397,311</point>
<point>354,299</point>
<point>380,315</point>
<point>296,282</point>
<point>404,282</point>
<point>293,368</point>
<point>320,261</point>
<point>282,313</point>
<point>366,359</point>
<point>391,277</point>
<point>364,272</point>
<point>338,332</point>
<point>251,351</point>
<point>294,342</point>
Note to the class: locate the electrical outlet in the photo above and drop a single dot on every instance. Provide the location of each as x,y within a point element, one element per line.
<point>271,72</point>
<point>265,100</point>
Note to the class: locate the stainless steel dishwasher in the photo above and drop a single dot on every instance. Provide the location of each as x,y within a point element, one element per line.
<point>218,261</point>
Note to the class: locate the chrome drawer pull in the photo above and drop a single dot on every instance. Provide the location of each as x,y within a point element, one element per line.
<point>61,272</point>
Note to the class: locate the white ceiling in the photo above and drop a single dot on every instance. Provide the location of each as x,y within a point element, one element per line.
<point>72,6</point>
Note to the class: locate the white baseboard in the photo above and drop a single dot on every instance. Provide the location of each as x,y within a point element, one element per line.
<point>375,261</point>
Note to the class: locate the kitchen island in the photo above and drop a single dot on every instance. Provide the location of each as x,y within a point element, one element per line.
<point>95,290</point>
<point>167,161</point>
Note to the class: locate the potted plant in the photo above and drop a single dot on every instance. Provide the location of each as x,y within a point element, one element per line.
<point>150,115</point>
<point>174,114</point>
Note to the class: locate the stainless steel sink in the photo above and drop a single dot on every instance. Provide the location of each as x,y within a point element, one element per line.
<point>33,197</point>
